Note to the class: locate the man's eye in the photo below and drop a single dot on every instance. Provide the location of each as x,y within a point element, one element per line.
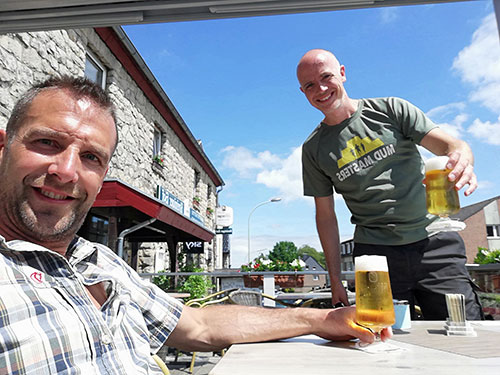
<point>46,142</point>
<point>91,157</point>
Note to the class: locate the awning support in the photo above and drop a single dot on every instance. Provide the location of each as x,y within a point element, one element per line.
<point>119,241</point>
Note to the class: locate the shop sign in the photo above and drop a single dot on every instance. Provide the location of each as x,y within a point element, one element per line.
<point>224,216</point>
<point>194,247</point>
<point>169,199</point>
<point>224,230</point>
<point>195,215</point>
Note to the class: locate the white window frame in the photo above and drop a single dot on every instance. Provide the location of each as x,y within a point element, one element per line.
<point>158,137</point>
<point>496,230</point>
<point>91,56</point>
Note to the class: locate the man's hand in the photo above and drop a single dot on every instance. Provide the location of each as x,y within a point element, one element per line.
<point>461,159</point>
<point>339,294</point>
<point>462,171</point>
<point>340,324</point>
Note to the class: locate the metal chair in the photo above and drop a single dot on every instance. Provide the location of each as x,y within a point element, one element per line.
<point>161,364</point>
<point>221,297</point>
<point>254,298</point>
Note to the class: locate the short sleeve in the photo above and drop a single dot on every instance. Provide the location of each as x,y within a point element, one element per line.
<point>315,182</point>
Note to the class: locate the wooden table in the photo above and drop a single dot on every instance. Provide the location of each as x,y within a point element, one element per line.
<point>424,349</point>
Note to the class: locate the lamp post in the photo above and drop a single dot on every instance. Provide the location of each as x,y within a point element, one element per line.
<point>272,200</point>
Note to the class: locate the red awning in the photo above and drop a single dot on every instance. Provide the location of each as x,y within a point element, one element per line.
<point>115,193</point>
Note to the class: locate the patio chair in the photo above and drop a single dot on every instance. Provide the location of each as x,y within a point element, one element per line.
<point>254,298</point>
<point>221,297</point>
<point>161,364</point>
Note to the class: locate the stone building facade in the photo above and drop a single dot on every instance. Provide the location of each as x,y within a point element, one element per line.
<point>157,159</point>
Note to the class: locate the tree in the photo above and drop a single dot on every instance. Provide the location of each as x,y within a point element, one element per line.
<point>319,256</point>
<point>285,251</point>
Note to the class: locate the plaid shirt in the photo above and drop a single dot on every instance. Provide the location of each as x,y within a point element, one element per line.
<point>49,325</point>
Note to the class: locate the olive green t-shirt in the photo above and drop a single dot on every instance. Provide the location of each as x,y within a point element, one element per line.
<point>372,160</point>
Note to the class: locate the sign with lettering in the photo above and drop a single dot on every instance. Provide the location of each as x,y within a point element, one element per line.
<point>224,216</point>
<point>224,230</point>
<point>169,199</point>
<point>193,247</point>
<point>195,215</point>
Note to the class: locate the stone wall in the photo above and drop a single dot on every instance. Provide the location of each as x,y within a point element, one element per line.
<point>26,58</point>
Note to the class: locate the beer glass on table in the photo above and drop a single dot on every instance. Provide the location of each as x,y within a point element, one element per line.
<point>441,195</point>
<point>374,305</point>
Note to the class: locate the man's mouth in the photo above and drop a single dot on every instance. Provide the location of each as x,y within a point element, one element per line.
<point>325,98</point>
<point>52,195</point>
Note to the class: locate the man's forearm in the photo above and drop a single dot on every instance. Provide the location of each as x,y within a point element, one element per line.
<point>221,326</point>
<point>329,238</point>
<point>217,327</point>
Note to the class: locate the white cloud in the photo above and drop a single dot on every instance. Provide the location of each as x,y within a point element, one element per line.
<point>479,64</point>
<point>486,185</point>
<point>268,169</point>
<point>486,131</point>
<point>441,116</point>
<point>247,162</point>
<point>287,177</point>
<point>389,14</point>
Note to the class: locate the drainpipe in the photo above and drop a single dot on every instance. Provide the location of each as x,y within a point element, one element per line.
<point>119,241</point>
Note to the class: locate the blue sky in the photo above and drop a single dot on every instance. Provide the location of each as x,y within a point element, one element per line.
<point>233,82</point>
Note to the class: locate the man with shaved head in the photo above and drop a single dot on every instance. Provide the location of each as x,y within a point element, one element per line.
<point>367,150</point>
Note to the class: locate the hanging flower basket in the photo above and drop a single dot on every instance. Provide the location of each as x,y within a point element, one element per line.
<point>284,281</point>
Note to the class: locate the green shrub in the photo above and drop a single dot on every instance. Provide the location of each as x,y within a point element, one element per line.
<point>198,286</point>
<point>162,281</point>
<point>485,256</point>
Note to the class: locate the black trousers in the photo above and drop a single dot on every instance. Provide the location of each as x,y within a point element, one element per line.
<point>424,272</point>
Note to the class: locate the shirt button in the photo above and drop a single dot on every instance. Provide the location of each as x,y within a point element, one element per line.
<point>106,339</point>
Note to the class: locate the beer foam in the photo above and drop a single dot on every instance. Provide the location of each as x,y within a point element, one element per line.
<point>371,263</point>
<point>436,163</point>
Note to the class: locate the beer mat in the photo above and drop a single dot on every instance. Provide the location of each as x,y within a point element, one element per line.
<point>484,345</point>
<point>376,347</point>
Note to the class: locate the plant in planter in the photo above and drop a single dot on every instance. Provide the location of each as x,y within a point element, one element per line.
<point>159,160</point>
<point>263,263</point>
<point>210,211</point>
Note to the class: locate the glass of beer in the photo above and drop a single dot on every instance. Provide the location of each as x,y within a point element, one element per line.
<point>441,196</point>
<point>374,305</point>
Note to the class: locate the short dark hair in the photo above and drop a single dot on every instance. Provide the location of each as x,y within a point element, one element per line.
<point>79,87</point>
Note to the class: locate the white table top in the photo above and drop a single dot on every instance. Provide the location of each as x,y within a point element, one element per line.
<point>312,355</point>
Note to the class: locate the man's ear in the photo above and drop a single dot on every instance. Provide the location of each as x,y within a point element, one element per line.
<point>342,73</point>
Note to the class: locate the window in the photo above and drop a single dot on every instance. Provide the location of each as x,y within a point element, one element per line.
<point>493,230</point>
<point>157,141</point>
<point>95,70</point>
<point>196,180</point>
<point>209,191</point>
<point>98,230</point>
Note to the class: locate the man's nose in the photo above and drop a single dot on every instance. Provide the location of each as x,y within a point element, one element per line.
<point>65,166</point>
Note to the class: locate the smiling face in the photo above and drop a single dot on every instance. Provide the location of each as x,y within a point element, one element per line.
<point>52,169</point>
<point>321,79</point>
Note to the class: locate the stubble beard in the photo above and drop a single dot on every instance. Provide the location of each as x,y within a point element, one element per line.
<point>43,227</point>
<point>46,225</point>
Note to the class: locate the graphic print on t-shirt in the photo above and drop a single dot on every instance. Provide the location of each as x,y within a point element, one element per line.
<point>355,156</point>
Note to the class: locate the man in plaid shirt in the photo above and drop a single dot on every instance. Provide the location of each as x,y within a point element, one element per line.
<point>71,306</point>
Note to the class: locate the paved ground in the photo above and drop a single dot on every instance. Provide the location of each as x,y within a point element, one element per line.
<point>203,363</point>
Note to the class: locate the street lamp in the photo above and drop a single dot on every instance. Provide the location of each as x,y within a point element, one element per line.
<point>272,200</point>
